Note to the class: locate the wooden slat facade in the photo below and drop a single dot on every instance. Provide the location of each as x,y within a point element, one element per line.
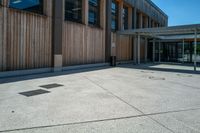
<point>82,44</point>
<point>26,42</point>
<point>26,38</point>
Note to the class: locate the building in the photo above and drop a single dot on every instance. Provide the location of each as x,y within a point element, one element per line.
<point>39,35</point>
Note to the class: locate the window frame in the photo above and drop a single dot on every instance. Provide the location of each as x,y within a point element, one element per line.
<point>40,7</point>
<point>78,20</point>
<point>125,17</point>
<point>98,13</point>
<point>1,3</point>
<point>115,15</point>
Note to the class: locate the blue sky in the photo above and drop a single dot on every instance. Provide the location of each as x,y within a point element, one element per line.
<point>180,12</point>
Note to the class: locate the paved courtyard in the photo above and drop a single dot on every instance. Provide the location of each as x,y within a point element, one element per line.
<point>124,99</point>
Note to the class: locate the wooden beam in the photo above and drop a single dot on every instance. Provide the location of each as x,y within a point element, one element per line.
<point>130,17</point>
<point>85,12</point>
<point>120,19</point>
<point>140,20</point>
<point>135,17</point>
<point>108,30</point>
<point>58,17</point>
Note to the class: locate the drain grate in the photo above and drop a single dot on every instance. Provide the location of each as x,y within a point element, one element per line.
<point>50,86</point>
<point>34,93</point>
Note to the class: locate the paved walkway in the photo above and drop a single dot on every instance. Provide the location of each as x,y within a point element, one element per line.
<point>111,100</point>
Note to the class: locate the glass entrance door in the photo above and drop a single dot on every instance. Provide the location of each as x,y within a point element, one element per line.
<point>170,52</point>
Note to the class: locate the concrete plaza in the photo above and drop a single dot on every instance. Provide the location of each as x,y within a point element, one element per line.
<point>125,99</point>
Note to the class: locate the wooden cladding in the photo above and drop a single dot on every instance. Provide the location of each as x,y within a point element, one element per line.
<point>25,39</point>
<point>82,44</point>
<point>123,47</point>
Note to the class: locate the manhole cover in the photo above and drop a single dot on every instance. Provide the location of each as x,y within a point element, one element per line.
<point>50,86</point>
<point>156,78</point>
<point>34,93</point>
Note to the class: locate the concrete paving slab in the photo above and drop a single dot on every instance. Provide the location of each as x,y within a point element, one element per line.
<point>122,99</point>
<point>130,125</point>
<point>181,122</point>
<point>151,96</point>
<point>79,100</point>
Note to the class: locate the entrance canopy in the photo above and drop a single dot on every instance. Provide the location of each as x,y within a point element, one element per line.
<point>165,33</point>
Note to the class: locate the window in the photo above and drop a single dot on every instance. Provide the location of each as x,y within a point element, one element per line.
<point>114,22</point>
<point>35,6</point>
<point>125,17</point>
<point>0,2</point>
<point>73,10</point>
<point>94,12</point>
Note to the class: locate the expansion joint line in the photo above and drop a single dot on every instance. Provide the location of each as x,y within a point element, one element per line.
<point>119,98</point>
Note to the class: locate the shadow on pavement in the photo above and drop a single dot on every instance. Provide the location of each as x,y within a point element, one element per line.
<point>156,67</point>
<point>50,74</point>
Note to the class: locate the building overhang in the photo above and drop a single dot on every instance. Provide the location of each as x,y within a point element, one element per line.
<point>176,32</point>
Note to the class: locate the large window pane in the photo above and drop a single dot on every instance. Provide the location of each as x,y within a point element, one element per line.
<point>28,5</point>
<point>125,17</point>
<point>114,23</point>
<point>94,12</point>
<point>73,10</point>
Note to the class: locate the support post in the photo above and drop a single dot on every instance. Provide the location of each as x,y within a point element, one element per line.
<point>135,18</point>
<point>58,14</point>
<point>146,49</point>
<point>159,51</point>
<point>85,12</point>
<point>195,51</point>
<point>130,18</point>
<point>141,21</point>
<point>183,50</point>
<point>138,48</point>
<point>135,49</point>
<point>154,43</point>
<point>108,32</point>
<point>120,17</point>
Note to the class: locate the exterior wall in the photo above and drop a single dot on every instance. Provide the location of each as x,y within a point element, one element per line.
<point>124,47</point>
<point>82,44</point>
<point>147,17</point>
<point>26,38</point>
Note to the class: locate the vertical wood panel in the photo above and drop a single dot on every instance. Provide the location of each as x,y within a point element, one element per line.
<point>124,48</point>
<point>1,39</point>
<point>25,39</point>
<point>82,44</point>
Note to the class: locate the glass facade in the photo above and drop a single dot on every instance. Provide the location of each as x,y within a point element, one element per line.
<point>125,17</point>
<point>114,22</point>
<point>94,13</point>
<point>35,6</point>
<point>73,10</point>
<point>173,52</point>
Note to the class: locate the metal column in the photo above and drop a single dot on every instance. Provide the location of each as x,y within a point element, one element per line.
<point>135,49</point>
<point>183,50</point>
<point>159,52</point>
<point>146,47</point>
<point>138,49</point>
<point>153,50</point>
<point>195,51</point>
